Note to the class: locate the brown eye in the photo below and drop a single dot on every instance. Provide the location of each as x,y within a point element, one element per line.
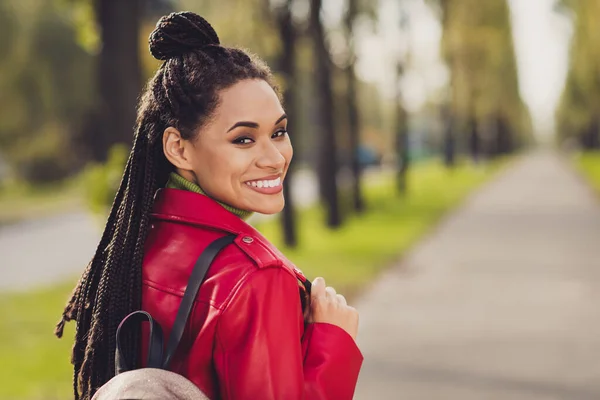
<point>279,134</point>
<point>243,140</point>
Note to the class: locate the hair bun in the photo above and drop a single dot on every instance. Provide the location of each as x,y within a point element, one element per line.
<point>179,33</point>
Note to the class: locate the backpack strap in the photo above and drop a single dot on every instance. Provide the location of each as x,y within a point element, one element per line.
<point>155,344</point>
<point>187,302</point>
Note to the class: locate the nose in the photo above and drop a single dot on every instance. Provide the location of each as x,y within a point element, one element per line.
<point>270,157</point>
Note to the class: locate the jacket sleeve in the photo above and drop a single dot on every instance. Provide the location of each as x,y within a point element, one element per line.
<point>263,352</point>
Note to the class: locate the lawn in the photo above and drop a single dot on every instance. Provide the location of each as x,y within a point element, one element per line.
<point>589,164</point>
<point>34,365</point>
<point>19,201</point>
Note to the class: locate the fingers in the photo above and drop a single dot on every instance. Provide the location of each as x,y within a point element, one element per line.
<point>321,291</point>
<point>331,293</point>
<point>318,288</point>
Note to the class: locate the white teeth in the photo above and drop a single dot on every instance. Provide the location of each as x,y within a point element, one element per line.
<point>265,184</point>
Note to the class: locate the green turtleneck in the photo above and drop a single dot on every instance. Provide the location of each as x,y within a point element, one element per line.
<point>177,181</point>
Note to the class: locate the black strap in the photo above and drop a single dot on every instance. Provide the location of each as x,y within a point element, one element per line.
<point>307,285</point>
<point>155,344</point>
<point>196,278</point>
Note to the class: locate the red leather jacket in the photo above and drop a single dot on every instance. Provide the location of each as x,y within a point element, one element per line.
<point>246,337</point>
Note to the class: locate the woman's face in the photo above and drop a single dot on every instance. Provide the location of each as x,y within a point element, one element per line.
<point>242,155</point>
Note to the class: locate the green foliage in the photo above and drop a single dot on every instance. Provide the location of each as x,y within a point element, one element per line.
<point>21,200</point>
<point>578,114</point>
<point>45,157</point>
<point>101,181</point>
<point>478,48</point>
<point>589,164</point>
<point>45,89</point>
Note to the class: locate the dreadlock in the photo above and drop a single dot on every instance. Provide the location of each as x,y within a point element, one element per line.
<point>184,94</point>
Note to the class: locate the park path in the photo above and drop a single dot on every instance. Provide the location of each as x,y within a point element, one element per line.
<point>501,302</point>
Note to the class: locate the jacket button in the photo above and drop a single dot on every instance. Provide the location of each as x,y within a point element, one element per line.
<point>247,239</point>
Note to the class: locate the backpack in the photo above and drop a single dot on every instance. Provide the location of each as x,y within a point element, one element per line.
<point>156,381</point>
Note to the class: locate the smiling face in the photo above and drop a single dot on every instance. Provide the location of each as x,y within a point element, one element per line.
<point>242,155</point>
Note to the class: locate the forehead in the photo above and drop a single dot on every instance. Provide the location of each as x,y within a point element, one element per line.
<point>249,100</point>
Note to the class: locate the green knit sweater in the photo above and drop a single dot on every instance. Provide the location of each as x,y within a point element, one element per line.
<point>177,181</point>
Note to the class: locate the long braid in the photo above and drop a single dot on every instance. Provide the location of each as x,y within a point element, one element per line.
<point>184,94</point>
<point>73,305</point>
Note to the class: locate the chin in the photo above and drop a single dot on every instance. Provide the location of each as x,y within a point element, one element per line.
<point>269,208</point>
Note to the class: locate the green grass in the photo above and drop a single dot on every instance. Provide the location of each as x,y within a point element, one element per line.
<point>589,164</point>
<point>35,365</point>
<point>20,201</point>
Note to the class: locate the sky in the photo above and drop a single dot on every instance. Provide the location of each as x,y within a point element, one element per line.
<point>541,38</point>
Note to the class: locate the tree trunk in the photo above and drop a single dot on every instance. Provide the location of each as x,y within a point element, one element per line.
<point>449,138</point>
<point>474,140</point>
<point>504,136</point>
<point>353,116</point>
<point>118,75</point>
<point>401,138</point>
<point>328,166</point>
<point>402,149</point>
<point>287,64</point>
<point>590,140</point>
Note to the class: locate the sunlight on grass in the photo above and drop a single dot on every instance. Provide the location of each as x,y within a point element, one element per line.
<point>19,201</point>
<point>34,364</point>
<point>589,164</point>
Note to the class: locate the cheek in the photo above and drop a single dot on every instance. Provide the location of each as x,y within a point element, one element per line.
<point>223,167</point>
<point>211,170</point>
<point>287,151</point>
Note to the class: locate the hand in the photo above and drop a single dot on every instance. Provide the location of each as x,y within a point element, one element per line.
<point>329,307</point>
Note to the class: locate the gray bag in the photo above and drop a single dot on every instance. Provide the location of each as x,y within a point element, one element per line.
<point>156,381</point>
<point>149,384</point>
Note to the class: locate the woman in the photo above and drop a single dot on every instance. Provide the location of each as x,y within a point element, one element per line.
<point>210,148</point>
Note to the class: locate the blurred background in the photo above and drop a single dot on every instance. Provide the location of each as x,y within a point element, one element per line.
<point>429,136</point>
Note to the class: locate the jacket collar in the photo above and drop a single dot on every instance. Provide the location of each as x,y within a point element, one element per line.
<point>187,207</point>
<point>196,209</point>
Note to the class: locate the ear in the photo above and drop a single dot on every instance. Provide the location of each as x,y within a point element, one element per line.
<point>176,149</point>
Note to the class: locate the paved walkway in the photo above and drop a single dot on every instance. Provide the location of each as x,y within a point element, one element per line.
<point>501,302</point>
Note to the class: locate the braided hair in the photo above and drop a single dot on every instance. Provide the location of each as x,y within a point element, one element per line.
<point>184,94</point>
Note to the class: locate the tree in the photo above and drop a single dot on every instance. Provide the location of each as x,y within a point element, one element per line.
<point>578,114</point>
<point>353,110</point>
<point>287,67</point>
<point>45,90</point>
<point>402,151</point>
<point>485,102</point>
<point>118,76</point>
<point>401,141</point>
<point>328,165</point>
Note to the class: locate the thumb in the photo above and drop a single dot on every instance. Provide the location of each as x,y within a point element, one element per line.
<point>318,288</point>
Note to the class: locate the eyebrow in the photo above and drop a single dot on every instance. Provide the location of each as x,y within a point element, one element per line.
<point>253,125</point>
